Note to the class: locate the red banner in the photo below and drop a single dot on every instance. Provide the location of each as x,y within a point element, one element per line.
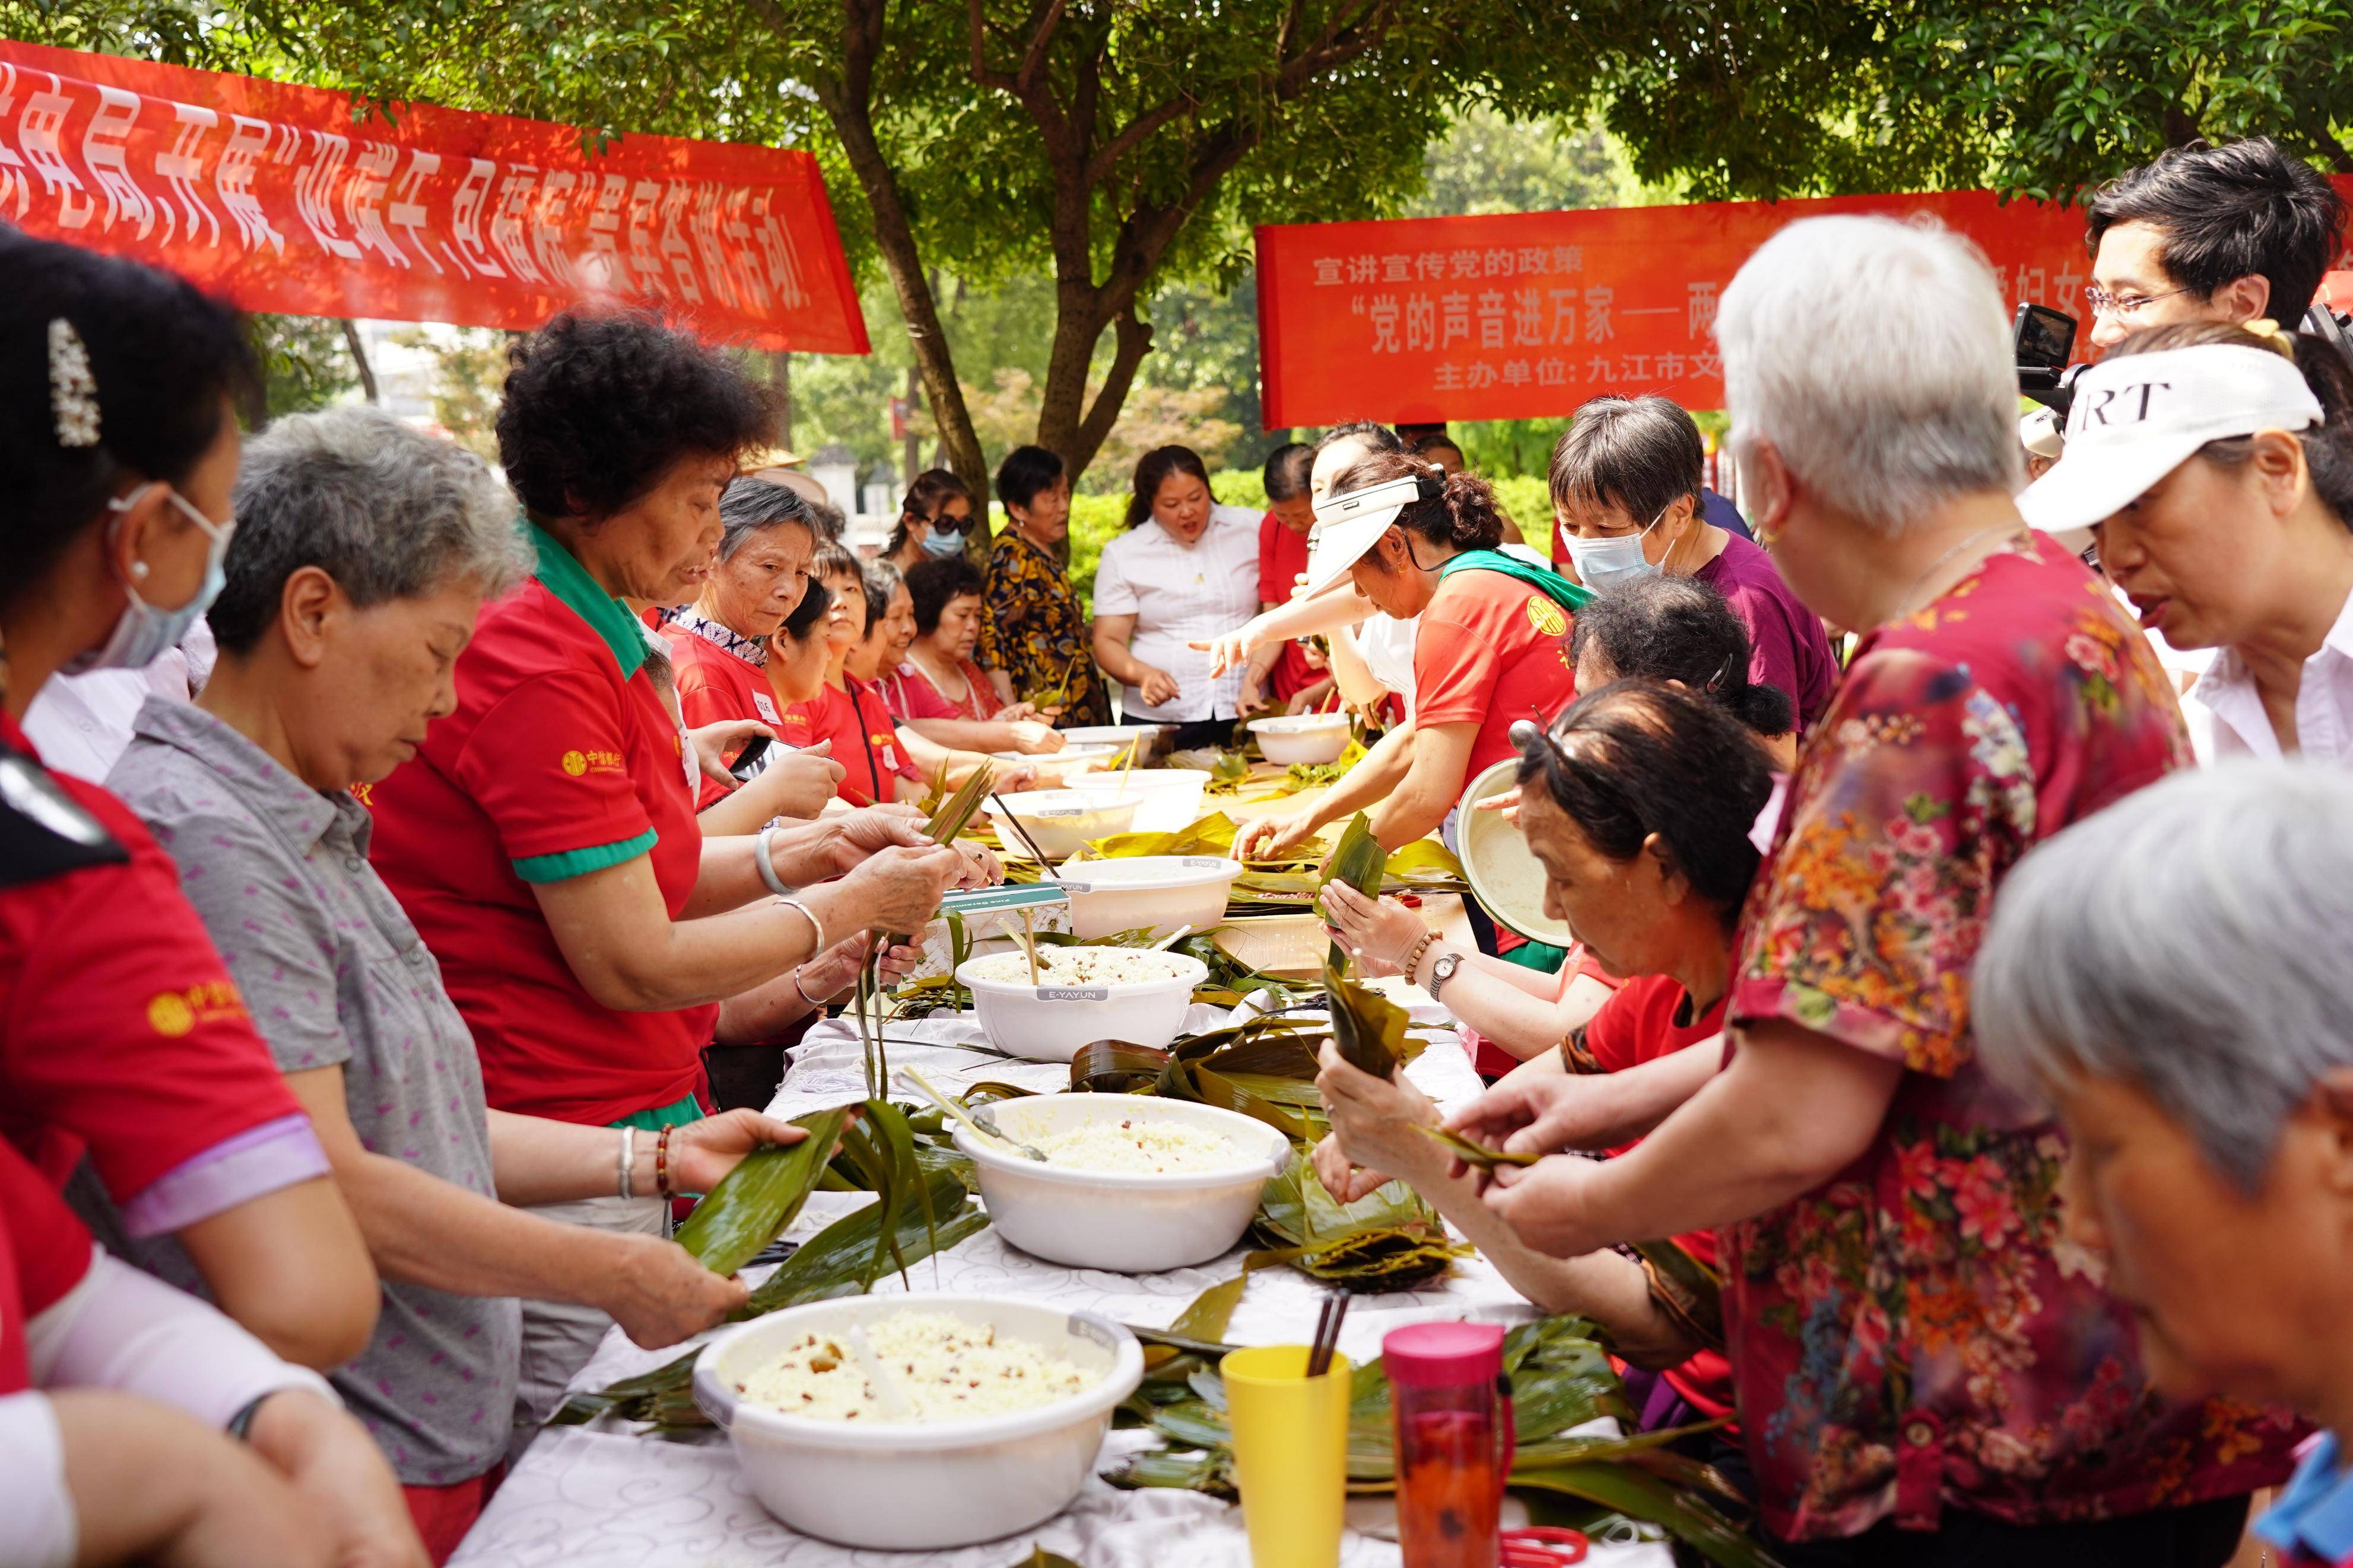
<point>1526,315</point>
<point>272,196</point>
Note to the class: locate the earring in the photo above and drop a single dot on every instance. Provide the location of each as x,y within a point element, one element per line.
<point>139,570</point>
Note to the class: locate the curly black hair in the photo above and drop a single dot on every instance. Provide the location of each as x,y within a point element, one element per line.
<point>936,585</point>
<point>167,362</point>
<point>1675,628</point>
<point>600,406</point>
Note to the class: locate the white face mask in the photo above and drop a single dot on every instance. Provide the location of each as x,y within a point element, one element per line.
<point>145,633</point>
<point>1603,563</point>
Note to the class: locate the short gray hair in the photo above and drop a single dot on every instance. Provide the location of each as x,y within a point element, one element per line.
<point>1875,356</point>
<point>749,506</point>
<point>2188,940</point>
<point>387,511</point>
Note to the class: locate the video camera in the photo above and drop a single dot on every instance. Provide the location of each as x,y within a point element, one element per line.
<point>2042,338</point>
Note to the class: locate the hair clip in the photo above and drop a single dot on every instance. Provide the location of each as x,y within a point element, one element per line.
<point>73,391</point>
<point>2274,336</point>
<point>1432,485</point>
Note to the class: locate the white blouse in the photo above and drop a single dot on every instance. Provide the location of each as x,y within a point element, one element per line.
<point>2324,702</point>
<point>1181,594</point>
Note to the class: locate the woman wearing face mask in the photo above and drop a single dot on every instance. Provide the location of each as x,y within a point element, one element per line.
<point>2214,465</point>
<point>1628,501</point>
<point>1186,569</point>
<point>934,521</point>
<point>1033,631</point>
<point>125,1037</point>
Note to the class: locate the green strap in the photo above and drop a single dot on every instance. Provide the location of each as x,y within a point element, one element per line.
<point>1568,595</point>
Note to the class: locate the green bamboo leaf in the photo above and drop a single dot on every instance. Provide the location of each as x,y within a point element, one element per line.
<point>1366,1025</point>
<point>755,1202</point>
<point>1358,860</point>
<point>1638,1495</point>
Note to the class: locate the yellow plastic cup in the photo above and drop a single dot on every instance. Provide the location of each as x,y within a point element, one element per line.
<point>1291,1454</point>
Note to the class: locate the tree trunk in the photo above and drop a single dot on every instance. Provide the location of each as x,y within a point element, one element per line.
<point>911,462</point>
<point>359,358</point>
<point>780,376</point>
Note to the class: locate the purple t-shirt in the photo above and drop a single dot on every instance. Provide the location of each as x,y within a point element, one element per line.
<point>1788,646</point>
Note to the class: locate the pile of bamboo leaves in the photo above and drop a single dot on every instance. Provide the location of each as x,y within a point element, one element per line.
<point>1561,1378</point>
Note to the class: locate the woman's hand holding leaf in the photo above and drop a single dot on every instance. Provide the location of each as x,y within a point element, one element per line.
<point>1373,1124</point>
<point>1546,1204</point>
<point>660,1293</point>
<point>1379,933</point>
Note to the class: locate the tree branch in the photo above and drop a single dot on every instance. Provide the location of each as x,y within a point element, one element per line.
<point>1131,340</point>
<point>981,73</point>
<point>1099,167</point>
<point>1036,53</point>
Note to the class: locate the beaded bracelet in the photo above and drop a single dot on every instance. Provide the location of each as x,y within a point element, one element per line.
<point>661,1163</point>
<point>1413,959</point>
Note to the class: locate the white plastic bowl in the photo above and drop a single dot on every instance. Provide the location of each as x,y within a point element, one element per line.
<point>908,1487</point>
<point>1049,1023</point>
<point>1167,799</point>
<point>1162,891</point>
<point>1313,738</point>
<point>1060,821</point>
<point>1128,1223</point>
<point>1069,754</point>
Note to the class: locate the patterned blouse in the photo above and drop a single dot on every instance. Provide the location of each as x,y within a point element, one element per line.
<point>1033,630</point>
<point>1915,1333</point>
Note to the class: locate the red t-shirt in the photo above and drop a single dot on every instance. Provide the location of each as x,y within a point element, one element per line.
<point>1490,651</point>
<point>865,741</point>
<point>714,686</point>
<point>121,1031</point>
<point>560,760</point>
<point>910,694</point>
<point>1643,1022</point>
<point>1281,557</point>
<point>44,1253</point>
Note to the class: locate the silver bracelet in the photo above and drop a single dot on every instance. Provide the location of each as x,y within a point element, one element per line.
<point>801,988</point>
<point>815,924</point>
<point>628,1163</point>
<point>776,884</point>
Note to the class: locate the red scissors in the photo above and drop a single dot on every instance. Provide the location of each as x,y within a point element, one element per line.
<point>1542,1546</point>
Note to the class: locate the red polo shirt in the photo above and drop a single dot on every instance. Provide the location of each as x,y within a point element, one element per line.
<point>560,760</point>
<point>1643,1022</point>
<point>715,686</point>
<point>865,741</point>
<point>123,1034</point>
<point>1490,651</point>
<point>1281,557</point>
<point>44,1253</point>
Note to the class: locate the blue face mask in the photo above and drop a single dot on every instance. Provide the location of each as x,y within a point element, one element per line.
<point>145,634</point>
<point>1603,563</point>
<point>939,544</point>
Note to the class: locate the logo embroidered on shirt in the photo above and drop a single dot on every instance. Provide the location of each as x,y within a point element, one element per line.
<point>579,762</point>
<point>172,1014</point>
<point>1544,616</point>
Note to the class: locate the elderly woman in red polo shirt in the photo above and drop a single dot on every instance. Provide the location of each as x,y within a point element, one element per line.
<point>543,839</point>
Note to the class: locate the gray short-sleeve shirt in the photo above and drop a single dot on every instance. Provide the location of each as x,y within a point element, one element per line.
<point>337,977</point>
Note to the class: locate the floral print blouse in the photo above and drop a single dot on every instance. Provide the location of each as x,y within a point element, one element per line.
<point>1914,1334</point>
<point>1033,630</point>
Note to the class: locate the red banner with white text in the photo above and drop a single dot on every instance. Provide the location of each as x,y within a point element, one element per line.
<point>272,196</point>
<point>1527,315</point>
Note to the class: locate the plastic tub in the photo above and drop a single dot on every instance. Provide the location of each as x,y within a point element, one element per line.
<point>1169,799</point>
<point>1049,1023</point>
<point>1103,1219</point>
<point>1504,874</point>
<point>1313,738</point>
<point>1161,891</point>
<point>909,1487</point>
<point>1060,821</point>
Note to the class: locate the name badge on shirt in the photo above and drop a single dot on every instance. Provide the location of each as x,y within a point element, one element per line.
<point>765,706</point>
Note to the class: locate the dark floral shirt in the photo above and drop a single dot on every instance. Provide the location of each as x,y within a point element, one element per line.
<point>1034,630</point>
<point>1915,1333</point>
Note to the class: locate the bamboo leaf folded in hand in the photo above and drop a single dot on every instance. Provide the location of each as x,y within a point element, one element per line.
<point>756,1200</point>
<point>1367,1027</point>
<point>1358,860</point>
<point>1478,1156</point>
<point>955,812</point>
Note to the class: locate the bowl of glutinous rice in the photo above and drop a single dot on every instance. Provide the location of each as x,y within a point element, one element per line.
<point>1080,994</point>
<point>1130,1183</point>
<point>917,1422</point>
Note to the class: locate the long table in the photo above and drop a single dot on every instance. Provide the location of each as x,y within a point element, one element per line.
<point>604,1497</point>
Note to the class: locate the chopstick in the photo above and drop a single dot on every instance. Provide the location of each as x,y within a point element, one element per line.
<point>1327,1333</point>
<point>1022,833</point>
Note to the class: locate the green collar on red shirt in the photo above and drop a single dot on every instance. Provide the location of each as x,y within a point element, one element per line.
<point>562,574</point>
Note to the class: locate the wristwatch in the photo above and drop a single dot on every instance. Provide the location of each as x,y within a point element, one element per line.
<point>1442,970</point>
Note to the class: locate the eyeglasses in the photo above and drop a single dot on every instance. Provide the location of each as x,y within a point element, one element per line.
<point>2117,307</point>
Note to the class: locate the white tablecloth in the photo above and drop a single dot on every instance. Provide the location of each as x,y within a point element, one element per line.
<point>602,1498</point>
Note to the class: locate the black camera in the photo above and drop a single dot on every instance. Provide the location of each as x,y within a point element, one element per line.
<point>2042,338</point>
